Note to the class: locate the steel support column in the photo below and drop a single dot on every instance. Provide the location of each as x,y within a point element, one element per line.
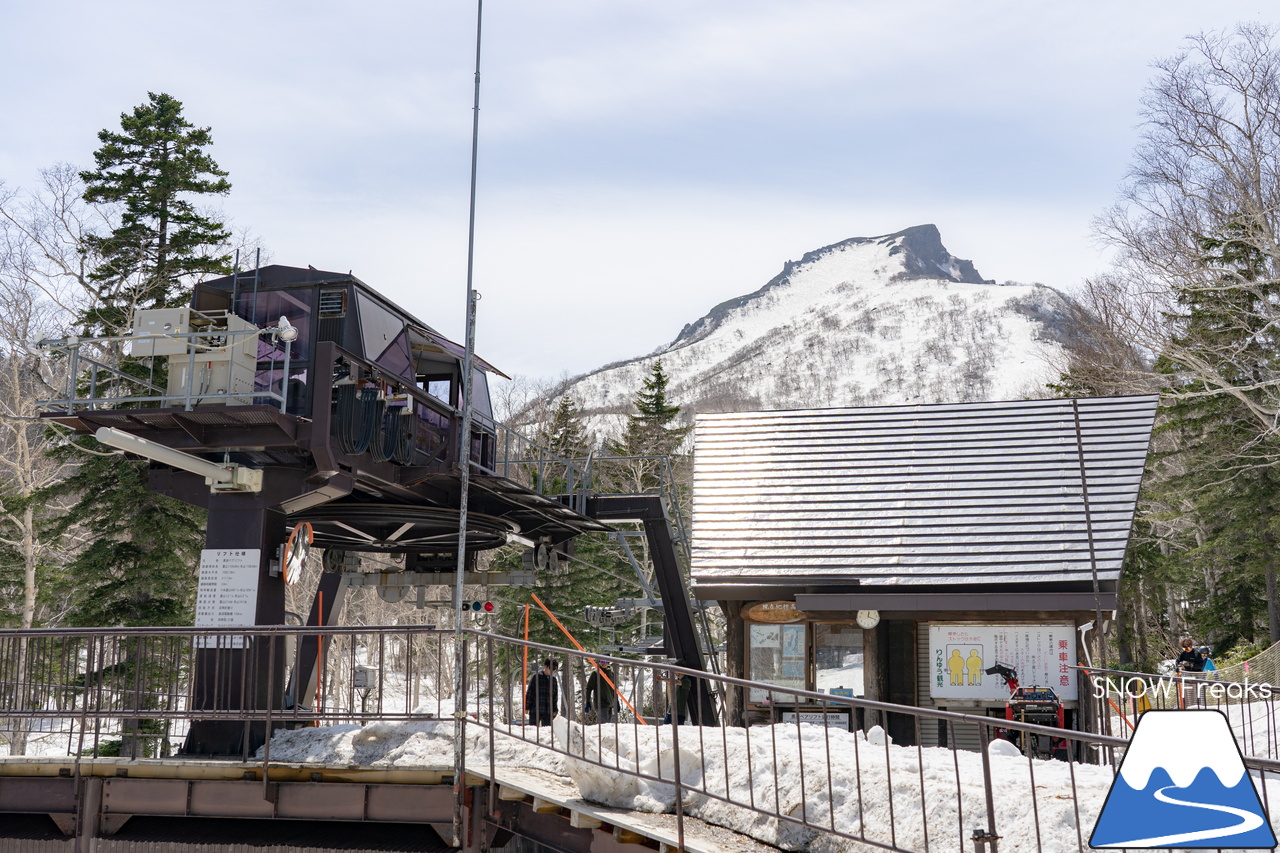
<point>680,635</point>
<point>251,677</point>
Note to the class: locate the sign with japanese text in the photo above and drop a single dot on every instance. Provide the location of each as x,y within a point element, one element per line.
<point>960,655</point>
<point>227,595</point>
<point>830,719</point>
<point>773,611</point>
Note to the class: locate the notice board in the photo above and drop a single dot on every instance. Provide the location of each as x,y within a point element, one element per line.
<point>959,656</point>
<point>227,595</point>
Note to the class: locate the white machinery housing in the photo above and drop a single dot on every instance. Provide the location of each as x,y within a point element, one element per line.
<point>212,356</point>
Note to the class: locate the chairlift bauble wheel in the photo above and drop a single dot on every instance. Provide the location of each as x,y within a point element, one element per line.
<point>541,556</point>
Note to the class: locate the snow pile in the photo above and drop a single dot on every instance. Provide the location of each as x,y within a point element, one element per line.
<point>604,773</point>
<point>416,744</point>
<point>892,794</point>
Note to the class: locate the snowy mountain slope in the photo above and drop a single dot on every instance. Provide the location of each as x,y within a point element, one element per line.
<point>867,321</point>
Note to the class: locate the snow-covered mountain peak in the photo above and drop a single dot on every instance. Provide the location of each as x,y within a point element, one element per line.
<point>866,321</point>
<point>913,253</point>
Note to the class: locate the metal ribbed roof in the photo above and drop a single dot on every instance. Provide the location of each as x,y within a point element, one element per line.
<point>945,494</point>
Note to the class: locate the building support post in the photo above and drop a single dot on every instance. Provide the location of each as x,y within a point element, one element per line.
<point>231,679</point>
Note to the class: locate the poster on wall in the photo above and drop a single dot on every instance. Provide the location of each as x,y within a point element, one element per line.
<point>960,655</point>
<point>777,657</point>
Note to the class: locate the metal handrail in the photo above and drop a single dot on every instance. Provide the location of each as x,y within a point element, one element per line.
<point>106,679</point>
<point>83,368</point>
<point>1121,696</point>
<point>72,348</point>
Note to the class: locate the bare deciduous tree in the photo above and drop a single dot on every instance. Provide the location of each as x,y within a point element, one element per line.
<point>1104,320</point>
<point>1195,291</point>
<point>36,263</point>
<point>42,283</point>
<point>42,238</point>
<point>1207,169</point>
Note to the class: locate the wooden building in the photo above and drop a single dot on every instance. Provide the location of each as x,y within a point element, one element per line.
<point>898,552</point>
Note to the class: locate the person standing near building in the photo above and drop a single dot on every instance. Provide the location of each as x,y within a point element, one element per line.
<point>542,696</point>
<point>600,695</point>
<point>1189,660</point>
<point>683,687</point>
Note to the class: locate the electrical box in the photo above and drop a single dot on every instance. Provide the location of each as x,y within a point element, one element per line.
<point>212,356</point>
<point>175,322</point>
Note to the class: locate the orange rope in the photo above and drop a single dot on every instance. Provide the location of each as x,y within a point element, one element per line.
<point>1113,705</point>
<point>565,631</point>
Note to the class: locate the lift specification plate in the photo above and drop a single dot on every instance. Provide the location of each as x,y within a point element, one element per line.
<point>227,596</point>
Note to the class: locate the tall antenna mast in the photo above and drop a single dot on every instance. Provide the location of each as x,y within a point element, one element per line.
<point>464,458</point>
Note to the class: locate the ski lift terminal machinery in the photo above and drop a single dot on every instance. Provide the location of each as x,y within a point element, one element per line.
<point>288,399</point>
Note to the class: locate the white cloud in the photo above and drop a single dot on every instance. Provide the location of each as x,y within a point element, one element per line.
<point>641,160</point>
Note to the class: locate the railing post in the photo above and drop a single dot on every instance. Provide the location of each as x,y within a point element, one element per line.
<point>266,735</point>
<point>191,368</point>
<point>492,724</point>
<point>284,379</point>
<point>672,703</point>
<point>506,453</point>
<point>981,839</point>
<point>133,727</point>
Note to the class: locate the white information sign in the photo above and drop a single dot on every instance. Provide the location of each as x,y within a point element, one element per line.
<point>227,595</point>
<point>830,719</point>
<point>960,655</point>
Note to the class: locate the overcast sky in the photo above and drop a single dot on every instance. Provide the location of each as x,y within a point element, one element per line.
<point>640,160</point>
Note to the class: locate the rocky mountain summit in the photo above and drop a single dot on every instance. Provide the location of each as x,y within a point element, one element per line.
<point>866,321</point>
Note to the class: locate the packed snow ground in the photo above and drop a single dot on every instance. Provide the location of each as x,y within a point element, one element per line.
<point>889,793</point>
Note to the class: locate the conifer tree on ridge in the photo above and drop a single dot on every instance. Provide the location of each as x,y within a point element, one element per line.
<point>150,168</point>
<point>140,569</point>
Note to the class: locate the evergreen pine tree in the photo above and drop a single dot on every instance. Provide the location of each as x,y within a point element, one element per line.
<point>653,459</point>
<point>141,564</point>
<point>151,168</point>
<point>1219,477</point>
<point>650,433</point>
<point>139,568</point>
<point>567,440</point>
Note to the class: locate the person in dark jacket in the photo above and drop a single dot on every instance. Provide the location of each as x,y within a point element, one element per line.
<point>1189,660</point>
<point>542,696</point>
<point>684,686</point>
<point>600,696</point>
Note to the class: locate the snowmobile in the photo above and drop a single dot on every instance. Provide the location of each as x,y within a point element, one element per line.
<point>1038,705</point>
